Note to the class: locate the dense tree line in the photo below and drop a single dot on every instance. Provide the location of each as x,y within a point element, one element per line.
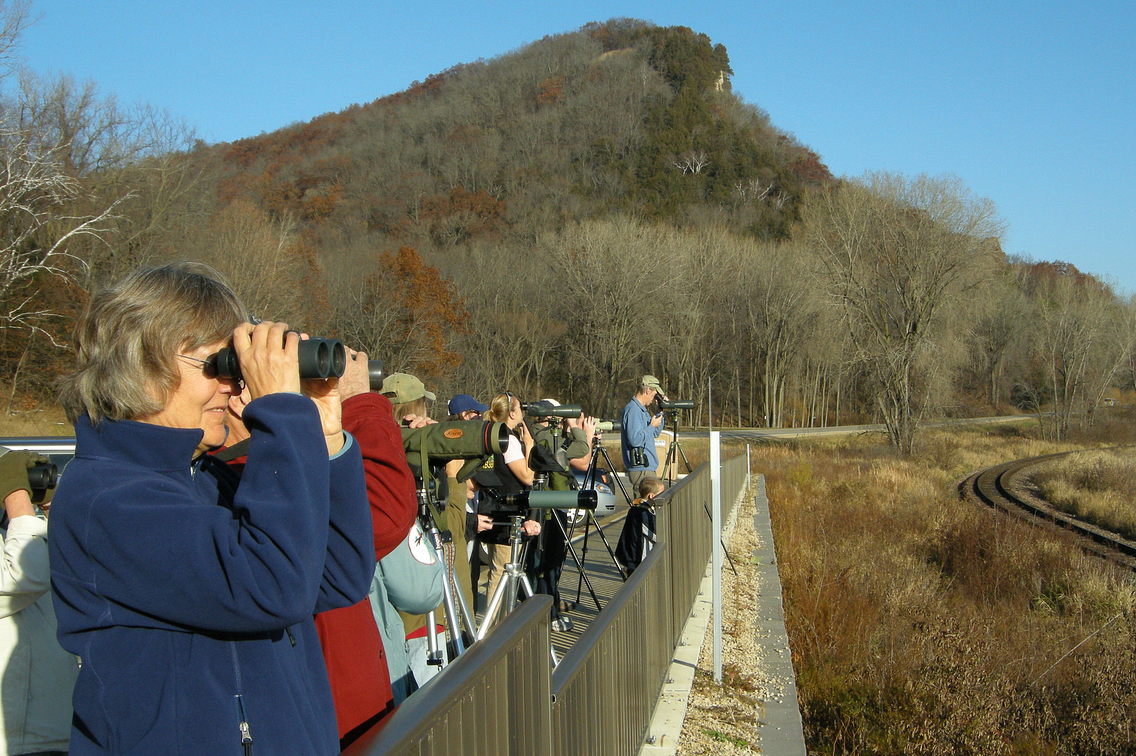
<point>557,221</point>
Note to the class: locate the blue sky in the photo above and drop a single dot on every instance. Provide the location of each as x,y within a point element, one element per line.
<point>1032,104</point>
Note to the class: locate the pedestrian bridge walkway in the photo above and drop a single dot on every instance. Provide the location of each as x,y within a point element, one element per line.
<point>504,697</point>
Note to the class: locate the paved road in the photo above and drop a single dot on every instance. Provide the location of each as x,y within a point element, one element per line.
<point>742,434</point>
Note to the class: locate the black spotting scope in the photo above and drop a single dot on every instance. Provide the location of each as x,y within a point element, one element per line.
<point>585,499</point>
<point>547,409</point>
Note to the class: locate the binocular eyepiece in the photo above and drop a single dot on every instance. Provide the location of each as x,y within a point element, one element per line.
<point>375,374</point>
<point>319,358</point>
<point>43,476</point>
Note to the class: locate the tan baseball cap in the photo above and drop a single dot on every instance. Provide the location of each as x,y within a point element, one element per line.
<point>651,381</point>
<point>401,388</point>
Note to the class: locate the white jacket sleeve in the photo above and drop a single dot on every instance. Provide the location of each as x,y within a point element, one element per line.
<point>24,575</point>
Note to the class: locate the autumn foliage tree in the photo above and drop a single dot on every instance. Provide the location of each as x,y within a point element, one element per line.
<point>406,315</point>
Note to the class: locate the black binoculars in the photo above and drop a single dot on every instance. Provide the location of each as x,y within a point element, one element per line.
<point>375,374</point>
<point>43,476</point>
<point>319,358</point>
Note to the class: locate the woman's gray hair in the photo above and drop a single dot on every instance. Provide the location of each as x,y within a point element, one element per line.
<point>128,338</point>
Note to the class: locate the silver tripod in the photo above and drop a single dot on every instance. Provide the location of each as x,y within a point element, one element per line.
<point>513,579</point>
<point>458,613</point>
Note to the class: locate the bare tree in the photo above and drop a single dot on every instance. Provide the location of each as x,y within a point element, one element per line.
<point>610,270</point>
<point>897,254</point>
<point>1083,336</point>
<point>35,227</point>
<point>692,161</point>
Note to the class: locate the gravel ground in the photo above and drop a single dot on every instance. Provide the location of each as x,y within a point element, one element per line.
<point>728,718</point>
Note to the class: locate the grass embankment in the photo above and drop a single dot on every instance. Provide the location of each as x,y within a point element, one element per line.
<point>921,624</point>
<point>35,420</point>
<point>1095,486</point>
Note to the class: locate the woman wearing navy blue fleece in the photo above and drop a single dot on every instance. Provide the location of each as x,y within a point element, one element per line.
<point>188,592</point>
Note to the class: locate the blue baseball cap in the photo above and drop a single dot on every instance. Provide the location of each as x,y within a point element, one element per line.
<point>464,402</point>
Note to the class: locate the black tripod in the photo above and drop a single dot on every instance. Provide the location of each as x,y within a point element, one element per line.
<point>541,483</point>
<point>590,478</point>
<point>674,451</point>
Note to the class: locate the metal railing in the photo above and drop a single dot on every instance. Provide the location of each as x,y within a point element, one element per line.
<point>606,687</point>
<point>493,699</point>
<point>600,698</point>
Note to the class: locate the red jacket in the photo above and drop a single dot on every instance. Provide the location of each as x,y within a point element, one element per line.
<point>352,647</point>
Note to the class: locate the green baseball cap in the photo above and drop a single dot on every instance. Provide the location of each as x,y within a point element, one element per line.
<point>651,381</point>
<point>401,388</point>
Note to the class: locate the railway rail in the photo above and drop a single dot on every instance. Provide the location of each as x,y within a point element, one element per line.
<point>1002,487</point>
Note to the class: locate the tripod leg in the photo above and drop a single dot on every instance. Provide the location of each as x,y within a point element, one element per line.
<point>685,461</point>
<point>670,467</point>
<point>611,553</point>
<point>465,612</point>
<point>495,601</point>
<point>434,656</point>
<point>526,586</point>
<point>622,488</point>
<point>584,549</point>
<point>579,565</point>
<point>506,591</point>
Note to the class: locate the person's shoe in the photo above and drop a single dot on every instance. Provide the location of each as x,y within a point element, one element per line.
<point>561,624</point>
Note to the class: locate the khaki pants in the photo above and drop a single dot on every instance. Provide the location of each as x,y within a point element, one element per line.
<point>499,552</point>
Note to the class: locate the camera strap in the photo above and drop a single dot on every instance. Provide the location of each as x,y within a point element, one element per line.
<point>230,453</point>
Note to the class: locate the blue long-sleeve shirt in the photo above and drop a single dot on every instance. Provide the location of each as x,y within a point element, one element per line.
<point>637,432</point>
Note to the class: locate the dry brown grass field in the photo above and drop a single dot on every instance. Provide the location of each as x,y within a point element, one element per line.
<point>1097,486</point>
<point>921,624</point>
<point>34,420</point>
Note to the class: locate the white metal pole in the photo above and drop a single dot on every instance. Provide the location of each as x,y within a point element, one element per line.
<point>716,527</point>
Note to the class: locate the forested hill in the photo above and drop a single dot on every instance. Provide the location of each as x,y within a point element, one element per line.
<point>616,117</point>
<point>558,221</point>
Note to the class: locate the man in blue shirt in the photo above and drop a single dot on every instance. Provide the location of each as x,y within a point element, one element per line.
<point>640,429</point>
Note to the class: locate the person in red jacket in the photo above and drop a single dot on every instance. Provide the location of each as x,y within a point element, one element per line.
<point>352,647</point>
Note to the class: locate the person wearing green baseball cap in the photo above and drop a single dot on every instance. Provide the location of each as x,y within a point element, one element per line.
<point>408,394</point>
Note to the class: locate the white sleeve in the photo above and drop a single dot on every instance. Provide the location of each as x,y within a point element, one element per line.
<point>513,451</point>
<point>24,573</point>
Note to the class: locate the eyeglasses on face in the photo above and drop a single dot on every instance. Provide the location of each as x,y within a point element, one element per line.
<point>208,365</point>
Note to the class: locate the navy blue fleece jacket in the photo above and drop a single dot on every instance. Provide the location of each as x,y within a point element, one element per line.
<point>189,592</point>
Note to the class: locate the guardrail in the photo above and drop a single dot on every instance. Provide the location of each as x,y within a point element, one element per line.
<point>601,696</point>
<point>493,699</point>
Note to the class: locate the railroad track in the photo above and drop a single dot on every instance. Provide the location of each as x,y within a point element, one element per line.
<point>1001,487</point>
